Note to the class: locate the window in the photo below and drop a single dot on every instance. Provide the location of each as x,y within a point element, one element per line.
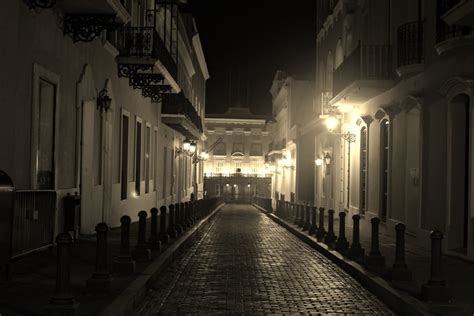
<point>147,157</point>
<point>138,155</point>
<point>46,130</point>
<point>165,161</point>
<point>363,170</point>
<point>384,167</point>
<point>256,149</point>
<point>124,157</point>
<point>219,167</point>
<point>155,159</point>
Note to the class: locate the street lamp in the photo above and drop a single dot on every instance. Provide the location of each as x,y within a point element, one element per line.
<point>318,162</point>
<point>192,148</point>
<point>332,122</point>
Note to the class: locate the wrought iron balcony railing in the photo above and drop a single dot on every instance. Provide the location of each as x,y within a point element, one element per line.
<point>410,44</point>
<point>446,5</point>
<point>445,31</point>
<point>145,42</point>
<point>178,104</point>
<point>366,62</point>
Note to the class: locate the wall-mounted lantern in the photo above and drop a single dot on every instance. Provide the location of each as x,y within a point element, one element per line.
<point>318,162</point>
<point>327,158</point>
<point>103,101</point>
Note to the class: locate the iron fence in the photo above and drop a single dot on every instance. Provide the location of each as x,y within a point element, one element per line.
<point>410,44</point>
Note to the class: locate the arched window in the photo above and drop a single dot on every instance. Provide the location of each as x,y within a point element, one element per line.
<point>363,170</point>
<point>384,167</point>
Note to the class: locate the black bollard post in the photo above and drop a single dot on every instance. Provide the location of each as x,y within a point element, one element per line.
<point>288,211</point>
<point>436,289</point>
<point>184,211</point>
<point>124,263</point>
<point>307,218</point>
<point>356,251</point>
<point>302,216</point>
<point>177,216</point>
<point>154,240</point>
<point>142,252</point>
<point>400,271</point>
<point>164,237</point>
<point>62,303</point>
<point>295,213</point>
<point>330,237</point>
<point>314,227</point>
<point>375,260</point>
<point>321,231</point>
<point>171,226</point>
<point>100,281</point>
<point>342,244</point>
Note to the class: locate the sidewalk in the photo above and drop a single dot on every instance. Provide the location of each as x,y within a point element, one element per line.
<point>458,273</point>
<point>33,278</point>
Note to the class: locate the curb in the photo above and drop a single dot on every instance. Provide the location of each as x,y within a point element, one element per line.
<point>401,303</point>
<point>134,293</point>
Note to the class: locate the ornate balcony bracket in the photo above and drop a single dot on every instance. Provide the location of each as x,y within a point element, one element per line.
<point>155,92</point>
<point>86,27</point>
<point>130,70</point>
<point>139,80</point>
<point>42,4</point>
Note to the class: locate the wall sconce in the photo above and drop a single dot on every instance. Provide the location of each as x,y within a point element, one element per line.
<point>103,101</point>
<point>327,158</point>
<point>192,148</point>
<point>186,145</point>
<point>331,123</point>
<point>318,162</point>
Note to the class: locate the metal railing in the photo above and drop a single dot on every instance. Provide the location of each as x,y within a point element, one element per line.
<point>410,44</point>
<point>179,104</point>
<point>33,221</point>
<point>264,202</point>
<point>145,42</point>
<point>366,62</point>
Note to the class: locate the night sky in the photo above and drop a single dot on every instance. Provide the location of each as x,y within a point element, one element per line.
<point>247,41</point>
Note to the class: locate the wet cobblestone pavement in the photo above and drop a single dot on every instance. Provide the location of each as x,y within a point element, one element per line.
<point>247,264</point>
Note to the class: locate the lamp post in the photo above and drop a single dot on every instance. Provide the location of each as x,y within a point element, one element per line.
<point>332,122</point>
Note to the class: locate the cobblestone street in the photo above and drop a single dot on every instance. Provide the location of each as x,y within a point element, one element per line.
<point>246,263</point>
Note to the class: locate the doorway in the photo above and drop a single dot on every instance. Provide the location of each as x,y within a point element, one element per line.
<point>460,173</point>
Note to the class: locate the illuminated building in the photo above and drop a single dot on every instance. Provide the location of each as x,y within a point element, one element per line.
<point>236,167</point>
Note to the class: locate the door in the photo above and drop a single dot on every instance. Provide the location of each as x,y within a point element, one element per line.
<point>91,168</point>
<point>412,178</point>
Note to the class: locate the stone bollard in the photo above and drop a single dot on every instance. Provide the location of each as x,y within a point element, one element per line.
<point>330,237</point>
<point>177,215</point>
<point>314,227</point>
<point>321,232</point>
<point>142,252</point>
<point>288,211</point>
<point>192,212</point>
<point>62,303</point>
<point>436,289</point>
<point>184,212</point>
<point>100,281</point>
<point>375,260</point>
<point>356,252</point>
<point>124,263</point>
<point>154,240</point>
<point>164,237</point>
<point>171,226</point>
<point>342,244</point>
<point>302,216</point>
<point>307,218</point>
<point>400,271</point>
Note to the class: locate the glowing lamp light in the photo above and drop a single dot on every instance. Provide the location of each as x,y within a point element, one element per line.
<point>331,123</point>
<point>192,148</point>
<point>327,159</point>
<point>204,155</point>
<point>281,162</point>
<point>186,145</point>
<point>248,185</point>
<point>235,185</point>
<point>318,162</point>
<point>227,185</point>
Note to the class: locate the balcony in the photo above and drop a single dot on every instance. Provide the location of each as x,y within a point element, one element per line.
<point>458,12</point>
<point>85,20</point>
<point>410,54</point>
<point>145,60</point>
<point>178,113</point>
<point>449,35</point>
<point>366,72</point>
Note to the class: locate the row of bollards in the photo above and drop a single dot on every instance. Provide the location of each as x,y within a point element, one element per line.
<point>306,217</point>
<point>181,217</point>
